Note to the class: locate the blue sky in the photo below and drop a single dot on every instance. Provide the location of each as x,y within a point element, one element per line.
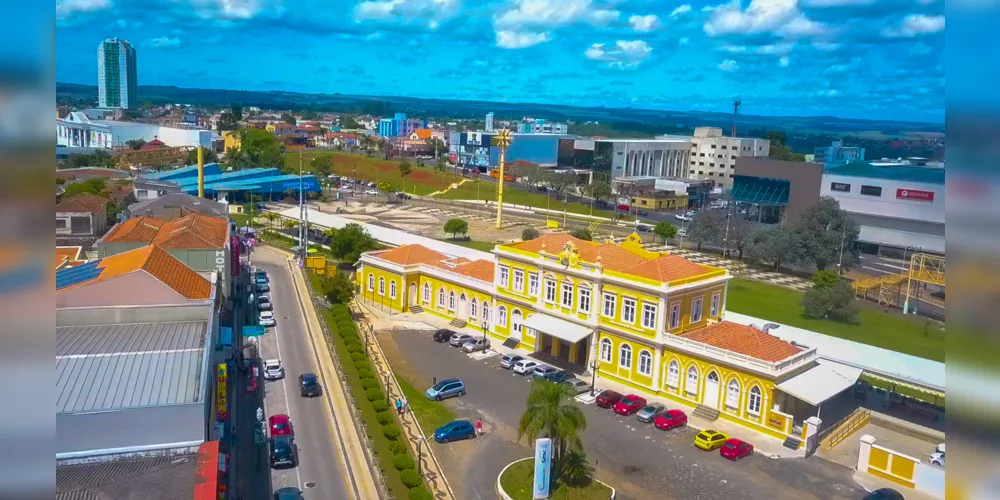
<point>878,59</point>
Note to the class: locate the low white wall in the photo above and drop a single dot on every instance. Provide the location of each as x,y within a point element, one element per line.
<point>503,494</point>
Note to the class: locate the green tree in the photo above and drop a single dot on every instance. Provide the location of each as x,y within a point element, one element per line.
<point>824,233</point>
<point>582,233</point>
<point>436,146</point>
<point>831,297</point>
<point>289,119</point>
<point>236,110</point>
<point>551,411</point>
<point>533,175</point>
<point>308,114</point>
<point>271,217</point>
<point>321,166</point>
<point>779,149</point>
<point>739,235</point>
<point>456,227</point>
<point>290,224</point>
<point>258,149</point>
<point>135,144</point>
<point>529,233</point>
<point>385,187</point>
<point>209,155</point>
<point>347,122</point>
<point>665,230</point>
<point>707,228</point>
<point>771,245</point>
<point>405,169</point>
<point>560,182</point>
<point>96,185</point>
<point>598,190</point>
<point>338,289</point>
<point>349,242</point>
<point>575,469</point>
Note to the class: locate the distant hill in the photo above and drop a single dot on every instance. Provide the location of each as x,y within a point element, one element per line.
<point>644,121</point>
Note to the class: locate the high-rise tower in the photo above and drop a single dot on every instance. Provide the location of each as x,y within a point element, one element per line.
<point>116,75</point>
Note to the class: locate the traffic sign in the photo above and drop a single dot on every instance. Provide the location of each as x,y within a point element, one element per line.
<point>253,330</point>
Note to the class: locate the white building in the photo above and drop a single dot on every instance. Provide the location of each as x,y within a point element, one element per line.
<point>540,126</point>
<point>713,156</point>
<point>489,122</point>
<point>117,84</point>
<point>663,158</point>
<point>79,131</point>
<point>898,206</point>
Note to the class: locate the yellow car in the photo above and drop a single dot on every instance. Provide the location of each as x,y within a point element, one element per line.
<point>710,440</point>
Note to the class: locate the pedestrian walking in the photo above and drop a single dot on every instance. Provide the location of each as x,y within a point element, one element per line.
<point>399,406</point>
<point>406,404</point>
<point>479,427</point>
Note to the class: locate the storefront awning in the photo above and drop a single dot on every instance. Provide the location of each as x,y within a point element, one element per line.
<point>559,328</point>
<point>821,382</point>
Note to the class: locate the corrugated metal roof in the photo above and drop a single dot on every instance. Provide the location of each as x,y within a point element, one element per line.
<point>155,478</point>
<point>108,367</point>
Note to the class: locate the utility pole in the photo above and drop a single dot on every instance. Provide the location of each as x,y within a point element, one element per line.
<point>303,243</point>
<point>843,236</point>
<point>502,140</point>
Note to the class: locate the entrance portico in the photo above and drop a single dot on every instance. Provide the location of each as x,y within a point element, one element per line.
<point>560,339</point>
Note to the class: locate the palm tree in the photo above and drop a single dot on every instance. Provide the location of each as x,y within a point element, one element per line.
<point>271,217</point>
<point>404,171</point>
<point>290,224</point>
<point>552,412</point>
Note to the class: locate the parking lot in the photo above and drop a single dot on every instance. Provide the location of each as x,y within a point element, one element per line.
<point>637,459</point>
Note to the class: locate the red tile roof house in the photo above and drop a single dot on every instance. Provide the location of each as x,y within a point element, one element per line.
<point>84,216</point>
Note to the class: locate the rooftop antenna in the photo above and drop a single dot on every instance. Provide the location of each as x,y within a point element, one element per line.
<point>736,114</point>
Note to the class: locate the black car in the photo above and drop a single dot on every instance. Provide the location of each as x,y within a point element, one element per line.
<point>884,494</point>
<point>443,335</point>
<point>290,493</point>
<point>309,385</point>
<point>403,196</point>
<point>283,452</point>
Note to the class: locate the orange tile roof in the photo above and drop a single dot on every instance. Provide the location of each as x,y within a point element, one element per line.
<point>193,231</point>
<point>423,133</point>
<point>68,256</point>
<point>412,254</point>
<point>83,202</point>
<point>667,268</point>
<point>136,230</point>
<point>744,339</point>
<point>159,264</point>
<point>478,269</point>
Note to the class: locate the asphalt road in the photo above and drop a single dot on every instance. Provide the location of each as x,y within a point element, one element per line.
<point>639,460</point>
<point>319,473</point>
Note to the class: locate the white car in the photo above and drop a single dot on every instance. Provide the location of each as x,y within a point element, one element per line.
<point>267,318</point>
<point>525,366</point>
<point>682,217</point>
<point>273,370</point>
<point>264,303</point>
<point>479,344</point>
<point>937,458</point>
<point>372,191</point>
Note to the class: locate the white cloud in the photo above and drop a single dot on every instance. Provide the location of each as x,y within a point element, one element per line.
<point>783,62</point>
<point>683,41</point>
<point>644,24</point>
<point>66,8</point>
<point>549,14</point>
<point>520,40</point>
<point>228,10</point>
<point>915,25</point>
<point>623,54</point>
<point>728,65</point>
<point>778,49</point>
<point>163,42</point>
<point>680,11</point>
<point>430,11</point>
<point>781,17</point>
<point>836,3</point>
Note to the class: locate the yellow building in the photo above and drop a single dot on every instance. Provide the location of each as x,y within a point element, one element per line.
<point>648,320</point>
<point>660,200</point>
<point>231,140</point>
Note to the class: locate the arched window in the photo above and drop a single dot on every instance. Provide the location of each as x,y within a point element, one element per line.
<point>515,319</point>
<point>381,286</point>
<point>606,350</point>
<point>371,282</point>
<point>392,289</point>
<point>645,363</point>
<point>674,374</point>
<point>486,311</point>
<point>733,394</point>
<point>692,381</point>
<point>451,301</point>
<point>441,298</point>
<point>427,292</point>
<point>754,401</point>
<point>502,316</point>
<point>625,356</point>
<point>473,308</point>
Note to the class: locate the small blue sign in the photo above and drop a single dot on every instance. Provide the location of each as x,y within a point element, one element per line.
<point>226,335</point>
<point>543,467</point>
<point>253,330</point>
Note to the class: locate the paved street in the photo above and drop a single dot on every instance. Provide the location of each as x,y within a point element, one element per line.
<point>639,460</point>
<point>320,473</point>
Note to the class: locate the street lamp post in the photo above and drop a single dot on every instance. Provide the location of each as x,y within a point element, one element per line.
<point>420,442</point>
<point>502,140</point>
<point>596,365</point>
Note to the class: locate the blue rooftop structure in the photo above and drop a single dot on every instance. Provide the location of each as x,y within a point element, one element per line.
<point>184,172</point>
<point>79,274</point>
<point>908,173</point>
<point>266,184</point>
<point>253,173</point>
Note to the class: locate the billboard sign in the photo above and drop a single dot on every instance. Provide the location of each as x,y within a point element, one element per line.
<point>221,375</point>
<point>473,139</point>
<point>914,194</point>
<point>543,467</point>
<point>234,255</point>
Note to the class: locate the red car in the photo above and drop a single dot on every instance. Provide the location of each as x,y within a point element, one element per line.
<point>671,419</point>
<point>280,425</point>
<point>734,449</point>
<point>607,399</point>
<point>629,405</point>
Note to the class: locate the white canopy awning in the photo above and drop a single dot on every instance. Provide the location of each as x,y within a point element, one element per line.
<point>821,382</point>
<point>559,328</point>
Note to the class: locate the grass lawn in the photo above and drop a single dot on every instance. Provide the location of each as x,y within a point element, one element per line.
<point>421,181</point>
<point>488,190</point>
<point>517,482</point>
<point>430,414</point>
<point>484,246</point>
<point>875,328</point>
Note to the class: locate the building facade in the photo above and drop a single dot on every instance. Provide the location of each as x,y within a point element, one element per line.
<point>117,85</point>
<point>775,191</point>
<point>651,321</point>
<point>77,130</point>
<point>713,155</point>
<point>663,158</point>
<point>471,149</point>
<point>838,154</point>
<point>540,126</point>
<point>489,122</point>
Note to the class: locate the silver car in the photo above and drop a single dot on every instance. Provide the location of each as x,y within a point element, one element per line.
<point>508,360</point>
<point>649,412</point>
<point>273,370</point>
<point>579,386</point>
<point>479,344</point>
<point>459,339</point>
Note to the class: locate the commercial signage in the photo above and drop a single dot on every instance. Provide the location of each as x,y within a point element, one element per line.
<point>914,194</point>
<point>221,374</point>
<point>543,467</point>
<point>840,186</point>
<point>234,255</point>
<point>473,138</point>
<point>253,331</point>
<point>776,421</point>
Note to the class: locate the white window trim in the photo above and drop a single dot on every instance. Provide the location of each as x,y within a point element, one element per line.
<point>674,321</point>
<point>729,400</point>
<point>652,315</point>
<point>550,284</point>
<point>562,294</point>
<point>392,289</point>
<point>581,292</point>
<point>604,306</point>
<point>701,309</point>
<point>688,383</point>
<point>486,311</point>
<point>514,321</point>
<point>502,316</point>
<point>474,308</point>
<point>606,356</point>
<point>625,301</point>
<point>676,380</point>
<point>533,284</point>
<point>451,301</point>
<point>621,356</point>
<point>427,293</point>
<point>441,298</point>
<point>716,300</point>
<point>645,354</point>
<point>381,286</point>
<point>504,276</point>
<point>760,400</point>
<point>371,282</point>
<point>519,277</point>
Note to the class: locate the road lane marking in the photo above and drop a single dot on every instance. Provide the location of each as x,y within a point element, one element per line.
<point>288,405</point>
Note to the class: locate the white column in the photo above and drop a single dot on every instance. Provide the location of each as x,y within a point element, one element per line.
<point>657,379</point>
<point>864,452</point>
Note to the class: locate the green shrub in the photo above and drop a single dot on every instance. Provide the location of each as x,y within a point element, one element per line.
<point>352,338</point>
<point>355,347</point>
<point>384,418</point>
<point>403,462</point>
<point>420,493</point>
<point>366,375</point>
<point>410,478</point>
<point>369,383</point>
<point>358,356</point>
<point>391,432</point>
<point>397,447</point>
<point>380,406</point>
<point>347,326</point>
<point>363,365</point>
<point>374,394</point>
<point>340,309</point>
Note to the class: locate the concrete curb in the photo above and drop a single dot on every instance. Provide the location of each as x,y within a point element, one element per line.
<point>504,496</point>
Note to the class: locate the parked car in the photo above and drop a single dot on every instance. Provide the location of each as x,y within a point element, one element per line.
<point>645,228</point>
<point>273,369</point>
<point>443,335</point>
<point>642,213</point>
<point>446,388</point>
<point>937,458</point>
<point>474,345</point>
<point>629,405</point>
<point>309,385</point>
<point>683,217</point>
<point>261,274</point>
<point>649,412</point>
<point>681,233</point>
<point>507,361</point>
<point>289,493</point>
<point>263,288</point>
<point>267,318</point>
<point>458,339</point>
<point>884,494</point>
<point>710,440</point>
<point>453,431</point>
<point>608,398</point>
<point>280,425</point>
<point>525,366</point>
<point>371,191</point>
<point>543,371</point>
<point>579,386</point>
<point>559,376</point>
<point>403,196</point>
<point>264,303</point>
<point>283,452</point>
<point>623,208</point>
<point>671,419</point>
<point>735,449</point>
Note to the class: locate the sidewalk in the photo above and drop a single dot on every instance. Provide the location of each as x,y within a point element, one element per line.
<point>871,483</point>
<point>430,468</point>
